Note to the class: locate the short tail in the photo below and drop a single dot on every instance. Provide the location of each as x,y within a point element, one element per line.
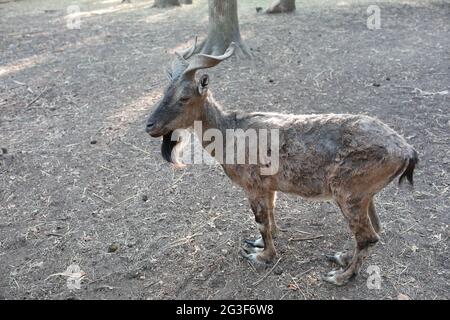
<point>408,173</point>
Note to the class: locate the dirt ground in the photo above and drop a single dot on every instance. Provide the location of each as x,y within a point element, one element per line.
<point>81,183</point>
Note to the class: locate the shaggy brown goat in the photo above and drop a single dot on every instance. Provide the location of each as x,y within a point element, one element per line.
<point>340,157</point>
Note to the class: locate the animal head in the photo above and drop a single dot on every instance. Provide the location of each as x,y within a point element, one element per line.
<point>183,98</point>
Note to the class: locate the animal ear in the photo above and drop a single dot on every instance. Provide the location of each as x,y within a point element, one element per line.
<point>203,84</point>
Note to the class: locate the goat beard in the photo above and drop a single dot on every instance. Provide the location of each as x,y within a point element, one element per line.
<point>170,149</point>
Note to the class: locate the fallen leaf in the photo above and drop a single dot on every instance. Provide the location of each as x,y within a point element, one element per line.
<point>292,286</point>
<point>402,296</point>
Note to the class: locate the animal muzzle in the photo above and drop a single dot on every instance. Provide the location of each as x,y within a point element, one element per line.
<point>152,129</point>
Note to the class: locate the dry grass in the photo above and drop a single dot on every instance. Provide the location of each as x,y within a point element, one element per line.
<point>81,182</point>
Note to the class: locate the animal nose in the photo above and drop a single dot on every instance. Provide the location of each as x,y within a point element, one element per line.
<point>149,125</point>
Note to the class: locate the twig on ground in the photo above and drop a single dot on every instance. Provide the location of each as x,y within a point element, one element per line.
<point>54,234</point>
<point>304,272</point>
<point>123,201</point>
<point>101,198</point>
<point>267,274</point>
<point>307,238</point>
<point>175,183</point>
<point>184,240</point>
<point>136,147</point>
<point>298,287</point>
<point>37,98</point>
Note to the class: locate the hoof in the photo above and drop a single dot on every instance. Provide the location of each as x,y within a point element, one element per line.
<point>340,258</point>
<point>336,277</point>
<point>255,258</point>
<point>258,243</point>
<point>251,249</point>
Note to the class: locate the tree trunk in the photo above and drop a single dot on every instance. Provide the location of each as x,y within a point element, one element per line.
<point>282,6</point>
<point>166,3</point>
<point>223,28</point>
<point>186,1</point>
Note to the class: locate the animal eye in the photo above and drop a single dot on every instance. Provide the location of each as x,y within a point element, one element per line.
<point>184,99</point>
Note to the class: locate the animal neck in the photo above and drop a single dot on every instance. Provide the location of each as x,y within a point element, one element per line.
<point>213,117</point>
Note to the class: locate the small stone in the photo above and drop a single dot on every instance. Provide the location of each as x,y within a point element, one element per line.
<point>376,84</point>
<point>93,141</point>
<point>144,198</point>
<point>133,275</point>
<point>113,248</point>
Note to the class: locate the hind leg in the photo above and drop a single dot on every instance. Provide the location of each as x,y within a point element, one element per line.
<point>343,258</point>
<point>356,213</point>
<point>273,225</point>
<point>374,218</point>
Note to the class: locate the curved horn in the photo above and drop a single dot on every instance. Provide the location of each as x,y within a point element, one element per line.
<point>179,64</point>
<point>203,61</point>
<point>187,53</point>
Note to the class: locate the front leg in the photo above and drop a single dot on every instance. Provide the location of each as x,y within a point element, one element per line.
<point>259,243</point>
<point>262,204</point>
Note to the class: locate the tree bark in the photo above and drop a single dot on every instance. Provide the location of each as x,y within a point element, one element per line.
<point>282,6</point>
<point>223,28</point>
<point>166,3</point>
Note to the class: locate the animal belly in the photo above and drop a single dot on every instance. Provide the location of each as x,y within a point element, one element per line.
<point>307,188</point>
